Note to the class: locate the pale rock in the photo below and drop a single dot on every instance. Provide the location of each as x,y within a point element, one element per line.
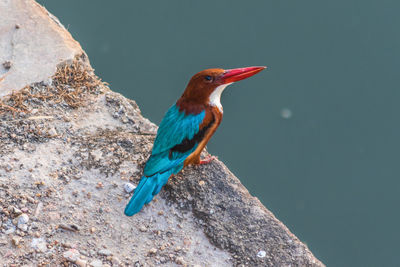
<point>129,187</point>
<point>39,244</point>
<point>96,263</point>
<point>71,255</point>
<point>16,240</point>
<point>38,40</point>
<point>23,219</point>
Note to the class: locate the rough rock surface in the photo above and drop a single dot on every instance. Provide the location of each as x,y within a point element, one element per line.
<point>31,37</point>
<point>68,147</point>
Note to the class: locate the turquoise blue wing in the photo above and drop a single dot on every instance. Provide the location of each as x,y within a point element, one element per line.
<point>172,145</point>
<point>177,137</point>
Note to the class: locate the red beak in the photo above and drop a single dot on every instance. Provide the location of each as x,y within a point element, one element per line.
<point>234,75</point>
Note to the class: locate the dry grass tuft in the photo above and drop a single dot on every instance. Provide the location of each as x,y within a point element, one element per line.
<point>69,86</point>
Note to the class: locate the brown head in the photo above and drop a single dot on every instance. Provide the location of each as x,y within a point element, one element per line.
<point>205,87</point>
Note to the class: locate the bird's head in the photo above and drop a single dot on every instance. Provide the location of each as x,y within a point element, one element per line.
<point>205,87</point>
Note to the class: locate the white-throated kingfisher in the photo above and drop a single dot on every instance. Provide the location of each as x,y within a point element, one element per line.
<point>185,130</point>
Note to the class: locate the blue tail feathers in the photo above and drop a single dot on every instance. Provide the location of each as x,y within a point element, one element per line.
<point>147,188</point>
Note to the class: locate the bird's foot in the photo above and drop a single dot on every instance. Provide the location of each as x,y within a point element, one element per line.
<point>207,159</point>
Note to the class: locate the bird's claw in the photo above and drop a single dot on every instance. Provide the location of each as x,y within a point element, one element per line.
<point>207,159</point>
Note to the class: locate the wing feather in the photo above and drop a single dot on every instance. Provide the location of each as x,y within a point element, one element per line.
<point>174,129</point>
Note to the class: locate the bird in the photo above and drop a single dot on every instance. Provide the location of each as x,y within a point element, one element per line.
<point>185,130</point>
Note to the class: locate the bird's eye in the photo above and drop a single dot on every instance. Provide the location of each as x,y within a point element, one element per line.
<point>208,78</point>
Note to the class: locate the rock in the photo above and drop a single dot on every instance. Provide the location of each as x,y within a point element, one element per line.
<point>99,185</point>
<point>71,255</point>
<point>66,244</point>
<point>9,231</point>
<point>180,261</point>
<point>15,210</point>
<point>105,252</point>
<point>81,263</point>
<point>23,227</point>
<point>16,240</point>
<point>24,48</point>
<point>96,263</point>
<point>152,251</point>
<point>261,254</point>
<point>128,187</point>
<point>39,244</point>
<point>23,219</point>
<point>9,227</point>
<point>69,227</point>
<point>7,64</point>
<point>100,139</point>
<point>53,131</point>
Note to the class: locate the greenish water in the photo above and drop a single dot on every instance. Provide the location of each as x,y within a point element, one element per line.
<point>331,171</point>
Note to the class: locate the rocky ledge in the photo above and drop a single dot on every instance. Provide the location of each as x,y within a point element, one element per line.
<point>71,153</point>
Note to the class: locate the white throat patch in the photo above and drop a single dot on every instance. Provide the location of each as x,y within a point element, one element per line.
<point>215,97</point>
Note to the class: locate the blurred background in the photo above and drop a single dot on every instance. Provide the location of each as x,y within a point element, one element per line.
<point>315,137</point>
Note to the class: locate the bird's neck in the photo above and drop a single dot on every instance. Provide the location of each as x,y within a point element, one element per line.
<point>215,97</point>
<point>190,107</point>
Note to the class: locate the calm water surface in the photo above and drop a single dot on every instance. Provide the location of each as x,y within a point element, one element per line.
<point>316,137</point>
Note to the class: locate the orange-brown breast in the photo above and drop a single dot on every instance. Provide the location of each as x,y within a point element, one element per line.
<point>212,119</point>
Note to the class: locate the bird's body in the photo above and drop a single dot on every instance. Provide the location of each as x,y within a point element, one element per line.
<point>185,130</point>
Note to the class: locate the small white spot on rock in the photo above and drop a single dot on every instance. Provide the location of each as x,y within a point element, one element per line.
<point>97,154</point>
<point>23,219</point>
<point>261,254</point>
<point>39,244</point>
<point>53,131</point>
<point>48,82</point>
<point>71,255</point>
<point>96,263</point>
<point>23,227</point>
<point>286,113</point>
<point>128,187</point>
